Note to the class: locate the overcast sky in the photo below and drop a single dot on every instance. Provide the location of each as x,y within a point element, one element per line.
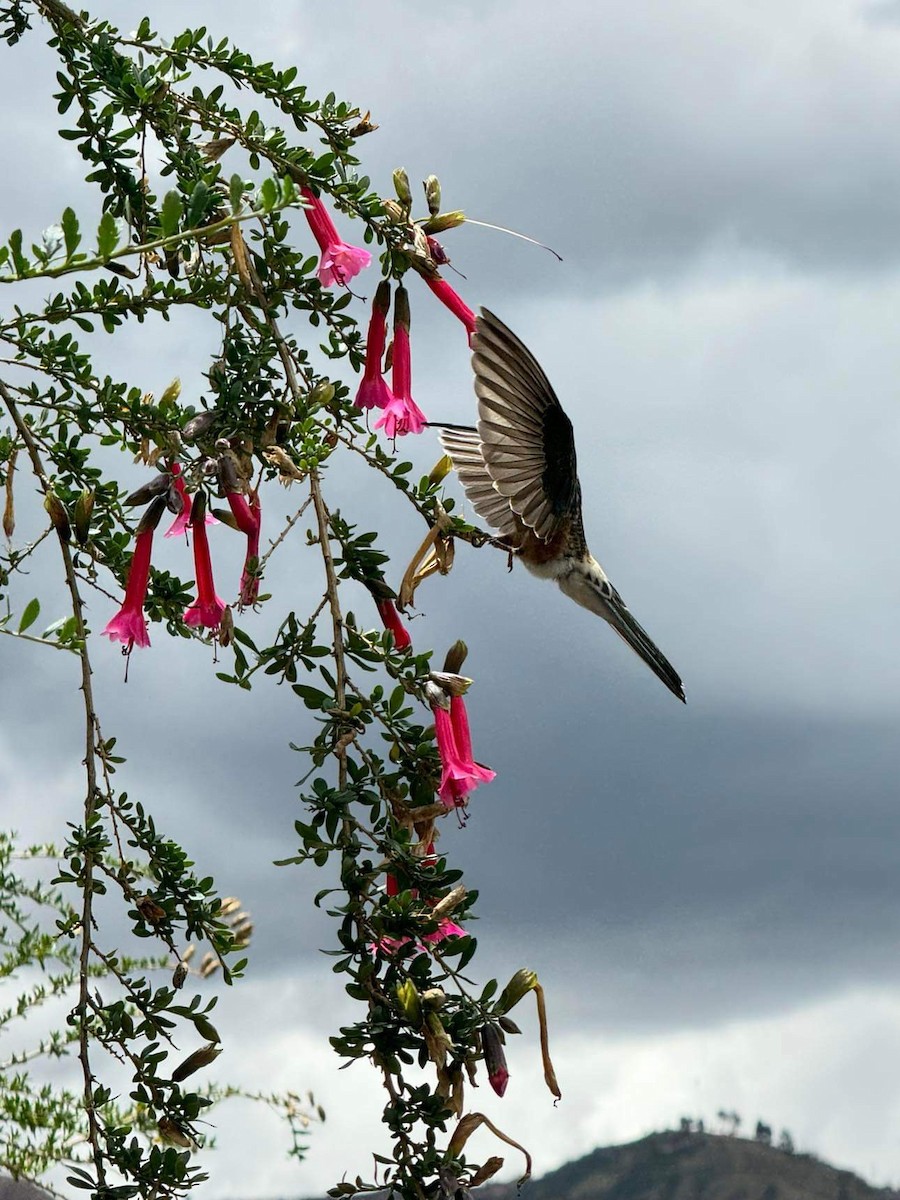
<point>708,893</point>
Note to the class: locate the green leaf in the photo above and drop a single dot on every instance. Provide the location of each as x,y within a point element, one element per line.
<point>236,192</point>
<point>268,195</point>
<point>30,615</point>
<point>15,244</point>
<point>107,235</point>
<point>71,232</point>
<point>170,213</point>
<point>196,209</point>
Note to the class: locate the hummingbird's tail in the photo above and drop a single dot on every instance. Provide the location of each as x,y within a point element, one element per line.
<point>588,586</point>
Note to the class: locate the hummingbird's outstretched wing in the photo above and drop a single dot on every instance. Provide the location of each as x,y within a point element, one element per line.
<point>519,473</point>
<point>526,439</point>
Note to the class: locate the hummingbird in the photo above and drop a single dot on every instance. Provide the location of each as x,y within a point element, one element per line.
<point>519,472</point>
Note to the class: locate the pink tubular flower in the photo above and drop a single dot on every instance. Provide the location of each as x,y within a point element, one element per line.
<point>129,624</point>
<point>249,521</point>
<point>461,774</point>
<point>401,413</point>
<point>373,391</point>
<point>207,609</point>
<point>181,522</point>
<point>445,929</point>
<point>388,611</point>
<point>453,301</point>
<point>338,262</point>
<point>494,1059</point>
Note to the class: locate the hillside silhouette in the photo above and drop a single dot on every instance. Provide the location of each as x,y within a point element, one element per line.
<point>688,1165</point>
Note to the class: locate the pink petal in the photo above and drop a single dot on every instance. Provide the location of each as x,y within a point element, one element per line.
<point>401,416</point>
<point>128,626</point>
<point>205,613</point>
<point>447,928</point>
<point>341,262</point>
<point>373,393</point>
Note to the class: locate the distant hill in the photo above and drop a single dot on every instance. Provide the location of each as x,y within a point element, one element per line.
<point>694,1166</point>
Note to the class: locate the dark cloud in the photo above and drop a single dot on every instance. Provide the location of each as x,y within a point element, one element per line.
<point>723,335</point>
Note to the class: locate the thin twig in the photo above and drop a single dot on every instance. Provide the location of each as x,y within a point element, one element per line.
<point>90,802</point>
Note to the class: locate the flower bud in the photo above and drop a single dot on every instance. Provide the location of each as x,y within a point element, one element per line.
<point>401,307</point>
<point>441,469</point>
<point>408,999</point>
<point>152,514</point>
<point>444,221</point>
<point>401,187</point>
<point>494,1059</point>
<point>456,656</point>
<point>145,493</point>
<point>437,252</point>
<point>381,301</point>
<point>434,997</point>
<point>433,194</point>
<point>196,1061</point>
<point>172,392</point>
<point>58,515</point>
<point>226,516</point>
<point>520,985</point>
<point>84,507</point>
<point>322,393</point>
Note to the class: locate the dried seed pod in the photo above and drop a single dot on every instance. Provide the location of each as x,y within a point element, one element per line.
<point>170,1131</point>
<point>362,127</point>
<point>197,1061</point>
<point>152,913</point>
<point>198,425</point>
<point>9,510</point>
<point>486,1171</point>
<point>226,627</point>
<point>174,500</point>
<point>216,147</point>
<point>146,492</point>
<point>179,975</point>
<point>508,1025</point>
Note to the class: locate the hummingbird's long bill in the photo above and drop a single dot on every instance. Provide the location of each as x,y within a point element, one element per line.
<point>519,473</point>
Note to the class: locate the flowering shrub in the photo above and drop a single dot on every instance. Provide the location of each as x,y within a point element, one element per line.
<point>393,753</point>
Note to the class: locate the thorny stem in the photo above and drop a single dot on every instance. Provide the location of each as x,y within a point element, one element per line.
<point>90,802</point>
